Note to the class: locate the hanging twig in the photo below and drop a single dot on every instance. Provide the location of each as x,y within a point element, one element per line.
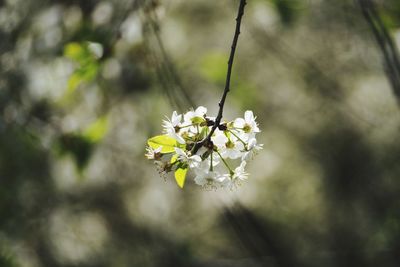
<point>171,82</point>
<point>385,42</point>
<point>228,78</point>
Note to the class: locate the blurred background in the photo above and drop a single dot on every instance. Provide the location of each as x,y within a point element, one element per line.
<point>83,84</point>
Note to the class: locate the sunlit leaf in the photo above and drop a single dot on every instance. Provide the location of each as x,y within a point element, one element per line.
<point>168,143</point>
<point>86,56</point>
<point>174,158</point>
<point>180,176</point>
<point>74,51</point>
<point>73,82</point>
<point>97,130</point>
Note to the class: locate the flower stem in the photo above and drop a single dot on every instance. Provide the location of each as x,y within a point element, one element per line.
<point>238,138</point>
<point>226,164</point>
<point>186,126</point>
<point>211,162</point>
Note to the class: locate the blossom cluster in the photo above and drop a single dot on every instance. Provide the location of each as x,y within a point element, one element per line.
<point>210,149</point>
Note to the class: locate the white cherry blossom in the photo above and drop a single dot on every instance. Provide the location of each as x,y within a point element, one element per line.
<point>191,115</point>
<point>192,161</point>
<point>153,153</point>
<point>208,179</point>
<point>172,127</point>
<point>248,125</point>
<point>252,149</point>
<point>233,149</point>
<point>237,177</point>
<point>233,143</point>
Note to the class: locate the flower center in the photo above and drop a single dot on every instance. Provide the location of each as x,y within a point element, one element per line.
<point>246,128</point>
<point>209,180</point>
<point>197,120</point>
<point>157,155</point>
<point>229,144</point>
<point>185,135</point>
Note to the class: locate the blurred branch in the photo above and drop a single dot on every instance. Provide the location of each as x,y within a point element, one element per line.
<point>228,77</point>
<point>166,71</point>
<point>328,84</point>
<point>385,43</point>
<point>259,237</point>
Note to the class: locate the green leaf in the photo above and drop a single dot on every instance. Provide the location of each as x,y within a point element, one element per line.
<point>97,130</point>
<point>168,143</point>
<point>180,176</point>
<point>86,56</point>
<point>174,158</point>
<point>74,51</point>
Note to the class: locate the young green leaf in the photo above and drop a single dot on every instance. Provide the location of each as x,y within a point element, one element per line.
<point>174,158</point>
<point>97,130</point>
<point>168,143</point>
<point>180,176</point>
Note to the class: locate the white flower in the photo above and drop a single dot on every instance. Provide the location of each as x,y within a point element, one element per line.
<point>172,127</point>
<point>213,159</point>
<point>248,124</point>
<point>153,153</point>
<point>207,178</point>
<point>233,149</point>
<point>192,161</point>
<point>232,140</point>
<point>239,173</point>
<point>228,148</point>
<point>252,149</point>
<point>236,177</point>
<point>191,116</point>
<point>219,138</point>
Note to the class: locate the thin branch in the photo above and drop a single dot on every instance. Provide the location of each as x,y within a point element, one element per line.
<point>385,43</point>
<point>228,78</point>
<point>178,94</point>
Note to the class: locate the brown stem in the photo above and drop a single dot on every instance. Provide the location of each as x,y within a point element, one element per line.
<point>228,78</point>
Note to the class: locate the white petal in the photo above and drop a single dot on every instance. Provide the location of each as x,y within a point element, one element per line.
<point>179,138</point>
<point>252,143</point>
<point>188,117</point>
<point>235,154</point>
<point>200,180</point>
<point>200,111</point>
<point>176,119</point>
<point>219,139</point>
<point>196,158</point>
<point>239,146</point>
<point>248,116</point>
<point>180,152</point>
<point>246,156</point>
<point>243,165</point>
<point>239,123</point>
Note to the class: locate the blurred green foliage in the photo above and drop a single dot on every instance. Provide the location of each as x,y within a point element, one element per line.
<point>213,67</point>
<point>390,12</point>
<point>287,9</point>
<point>86,60</point>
